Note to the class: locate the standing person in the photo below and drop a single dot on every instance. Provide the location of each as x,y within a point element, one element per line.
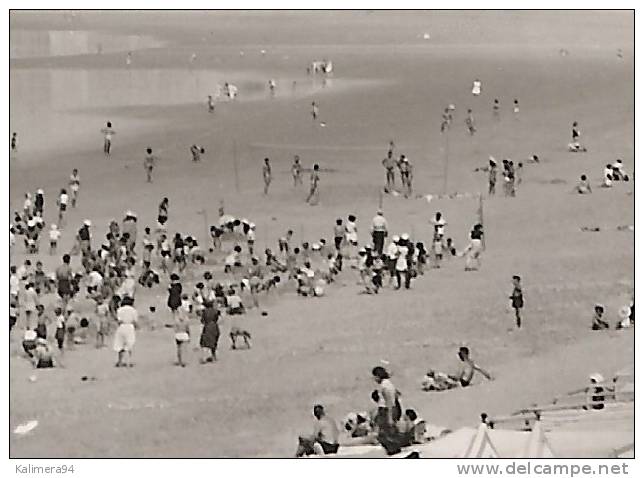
<point>446,120</point>
<point>338,234</point>
<point>29,303</point>
<point>474,249</point>
<point>379,231</point>
<point>517,299</point>
<point>271,87</point>
<point>211,104</point>
<point>351,230</point>
<point>148,164</point>
<point>511,176</point>
<point>74,186</point>
<point>476,87</point>
<point>323,440</point>
<point>469,122</point>
<point>175,290</point>
<point>210,332</point>
<point>296,171</point>
<point>64,280</point>
<point>389,411</point>
<point>14,143</point>
<point>267,175</point>
<point>575,132</point>
<point>39,202</point>
<point>85,238</point>
<point>389,164</point>
<point>406,175</point>
<point>60,328</point>
<point>108,132</point>
<point>314,110</point>
<point>314,191</point>
<point>162,216</point>
<point>62,201</point>
<point>492,170</point>
<point>125,335</point>
<point>515,108</point>
<point>402,263</point>
<point>496,109</point>
<point>181,337</point>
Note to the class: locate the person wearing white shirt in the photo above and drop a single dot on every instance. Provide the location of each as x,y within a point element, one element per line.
<point>63,199</point>
<point>402,267</point>
<point>379,231</point>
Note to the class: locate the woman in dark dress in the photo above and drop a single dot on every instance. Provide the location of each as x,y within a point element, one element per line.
<point>210,332</point>
<point>174,294</point>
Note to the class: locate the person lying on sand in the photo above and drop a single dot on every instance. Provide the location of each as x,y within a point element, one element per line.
<point>439,381</point>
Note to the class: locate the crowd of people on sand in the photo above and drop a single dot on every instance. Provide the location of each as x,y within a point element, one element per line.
<point>230,276</point>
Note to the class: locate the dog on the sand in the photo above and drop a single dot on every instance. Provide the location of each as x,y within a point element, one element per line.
<point>236,333</point>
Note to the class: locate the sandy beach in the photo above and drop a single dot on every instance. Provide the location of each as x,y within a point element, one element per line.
<point>388,84</point>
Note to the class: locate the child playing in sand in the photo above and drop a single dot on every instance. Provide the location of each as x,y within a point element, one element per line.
<point>583,187</point>
<point>517,299</point>
<point>108,132</point>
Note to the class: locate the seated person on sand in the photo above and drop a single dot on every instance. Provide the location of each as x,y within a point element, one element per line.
<point>627,316</point>
<point>608,177</point>
<point>468,367</point>
<point>323,440</point>
<point>412,428</point>
<point>29,342</point>
<point>583,187</point>
<point>43,356</point>
<point>358,430</point>
<point>234,303</point>
<point>439,381</point>
<point>618,171</point>
<point>598,319</point>
<point>576,147</point>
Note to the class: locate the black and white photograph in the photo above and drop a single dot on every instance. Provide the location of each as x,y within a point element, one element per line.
<point>329,233</point>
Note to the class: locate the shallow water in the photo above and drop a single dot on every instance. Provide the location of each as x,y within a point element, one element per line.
<point>47,43</point>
